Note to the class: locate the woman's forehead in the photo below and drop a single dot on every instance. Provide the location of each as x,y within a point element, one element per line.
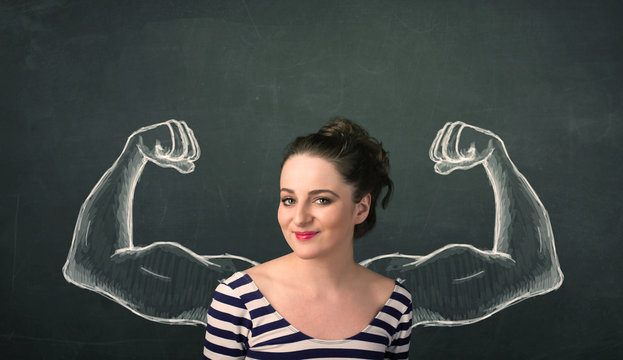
<point>307,172</point>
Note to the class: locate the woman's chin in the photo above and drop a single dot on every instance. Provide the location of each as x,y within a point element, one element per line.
<point>306,252</point>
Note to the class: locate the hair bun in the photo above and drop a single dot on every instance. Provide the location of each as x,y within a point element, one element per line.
<point>353,134</point>
<point>342,127</point>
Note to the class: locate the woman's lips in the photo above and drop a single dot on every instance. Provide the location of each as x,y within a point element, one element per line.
<point>305,235</point>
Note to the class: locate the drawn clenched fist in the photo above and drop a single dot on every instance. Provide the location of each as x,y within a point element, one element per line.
<point>459,146</point>
<point>169,144</point>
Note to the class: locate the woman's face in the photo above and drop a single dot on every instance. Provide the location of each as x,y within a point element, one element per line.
<point>317,214</point>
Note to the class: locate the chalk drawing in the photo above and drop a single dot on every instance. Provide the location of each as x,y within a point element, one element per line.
<point>455,285</point>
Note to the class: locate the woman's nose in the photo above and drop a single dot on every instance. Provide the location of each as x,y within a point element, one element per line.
<point>302,216</point>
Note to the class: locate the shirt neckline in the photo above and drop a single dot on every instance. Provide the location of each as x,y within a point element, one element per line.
<point>295,330</point>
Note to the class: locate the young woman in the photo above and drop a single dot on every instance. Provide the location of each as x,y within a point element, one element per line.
<point>317,302</point>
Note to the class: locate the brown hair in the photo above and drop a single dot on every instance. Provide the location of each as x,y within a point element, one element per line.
<point>358,157</point>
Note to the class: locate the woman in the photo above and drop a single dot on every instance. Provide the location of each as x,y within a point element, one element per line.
<point>455,285</point>
<point>316,301</point>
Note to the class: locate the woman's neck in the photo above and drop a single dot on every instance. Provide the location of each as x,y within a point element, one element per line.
<point>325,273</point>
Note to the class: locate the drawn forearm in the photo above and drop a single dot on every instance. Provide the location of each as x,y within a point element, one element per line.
<point>104,223</point>
<point>522,226</point>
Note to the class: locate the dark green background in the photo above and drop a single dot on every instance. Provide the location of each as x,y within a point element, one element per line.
<point>77,77</point>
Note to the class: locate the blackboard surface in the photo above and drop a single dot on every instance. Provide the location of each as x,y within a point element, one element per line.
<point>77,78</point>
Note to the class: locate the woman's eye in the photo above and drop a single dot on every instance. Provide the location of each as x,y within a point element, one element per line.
<point>323,201</point>
<point>287,201</point>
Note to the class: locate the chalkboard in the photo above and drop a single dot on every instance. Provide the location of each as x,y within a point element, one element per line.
<point>79,77</point>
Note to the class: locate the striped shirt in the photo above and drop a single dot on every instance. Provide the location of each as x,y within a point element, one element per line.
<point>243,325</point>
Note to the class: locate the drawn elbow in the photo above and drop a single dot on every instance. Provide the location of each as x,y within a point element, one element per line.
<point>557,278</point>
<point>549,279</point>
<point>77,273</point>
<point>555,274</point>
<point>68,271</point>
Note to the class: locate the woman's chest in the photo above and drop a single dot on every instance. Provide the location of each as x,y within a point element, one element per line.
<point>336,319</point>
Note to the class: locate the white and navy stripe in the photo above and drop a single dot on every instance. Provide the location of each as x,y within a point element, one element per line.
<point>243,325</point>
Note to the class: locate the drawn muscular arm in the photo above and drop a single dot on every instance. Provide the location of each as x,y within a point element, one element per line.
<point>163,281</point>
<point>460,284</point>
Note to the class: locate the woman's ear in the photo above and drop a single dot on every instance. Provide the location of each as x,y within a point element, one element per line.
<point>362,209</point>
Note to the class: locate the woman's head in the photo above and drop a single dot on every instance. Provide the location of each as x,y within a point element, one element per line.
<point>359,158</point>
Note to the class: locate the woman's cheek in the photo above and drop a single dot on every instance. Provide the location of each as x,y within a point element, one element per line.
<point>282,216</point>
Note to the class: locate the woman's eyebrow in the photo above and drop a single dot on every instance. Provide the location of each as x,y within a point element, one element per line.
<point>313,192</point>
<point>320,191</point>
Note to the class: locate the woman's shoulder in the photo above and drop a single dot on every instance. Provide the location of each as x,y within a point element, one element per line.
<point>266,274</point>
<point>263,270</point>
<point>390,294</point>
<point>385,282</point>
<point>379,283</point>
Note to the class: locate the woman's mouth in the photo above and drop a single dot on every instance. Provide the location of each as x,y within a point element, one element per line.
<point>305,235</point>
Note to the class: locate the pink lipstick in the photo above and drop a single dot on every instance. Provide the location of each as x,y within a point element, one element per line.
<point>305,235</point>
